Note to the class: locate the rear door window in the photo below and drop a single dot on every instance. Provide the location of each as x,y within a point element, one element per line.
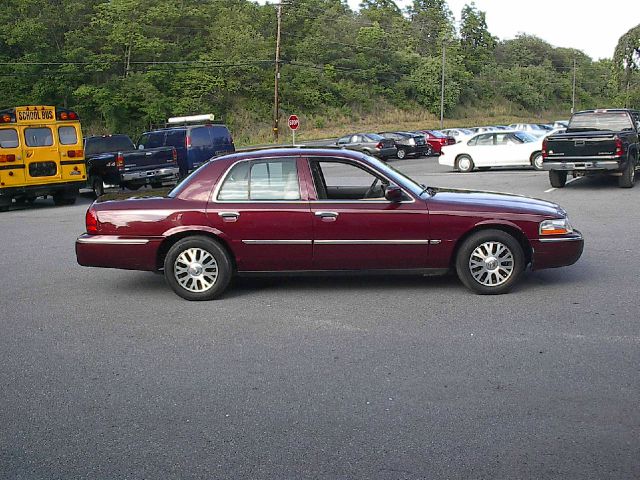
<point>220,135</point>
<point>152,140</point>
<point>9,138</point>
<point>176,138</point>
<point>38,137</point>
<point>200,137</point>
<point>67,135</point>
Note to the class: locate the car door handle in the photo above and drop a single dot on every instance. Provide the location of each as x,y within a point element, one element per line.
<point>327,216</point>
<point>229,216</point>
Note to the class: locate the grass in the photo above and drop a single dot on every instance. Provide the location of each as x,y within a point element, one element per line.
<point>383,118</point>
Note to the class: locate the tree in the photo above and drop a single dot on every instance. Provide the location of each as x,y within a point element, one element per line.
<point>476,42</point>
<point>432,23</point>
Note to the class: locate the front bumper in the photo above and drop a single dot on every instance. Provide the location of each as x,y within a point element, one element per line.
<point>168,173</point>
<point>583,165</point>
<point>557,251</point>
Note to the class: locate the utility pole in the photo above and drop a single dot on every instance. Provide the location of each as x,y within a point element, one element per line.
<point>442,89</point>
<point>573,95</point>
<point>276,96</point>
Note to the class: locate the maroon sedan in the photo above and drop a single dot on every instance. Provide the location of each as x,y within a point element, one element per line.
<point>294,210</point>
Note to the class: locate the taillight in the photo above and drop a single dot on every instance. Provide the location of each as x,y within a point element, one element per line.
<point>379,145</point>
<point>7,158</point>
<point>75,153</point>
<point>545,152</point>
<point>120,161</point>
<point>187,141</point>
<point>91,220</point>
<point>174,155</point>
<point>619,147</point>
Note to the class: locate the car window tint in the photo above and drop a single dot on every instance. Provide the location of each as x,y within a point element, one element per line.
<point>175,138</point>
<point>356,139</point>
<point>152,140</point>
<point>38,137</point>
<point>344,139</point>
<point>473,142</point>
<point>274,180</point>
<point>220,135</point>
<point>200,137</point>
<point>67,135</point>
<point>8,138</point>
<point>236,184</point>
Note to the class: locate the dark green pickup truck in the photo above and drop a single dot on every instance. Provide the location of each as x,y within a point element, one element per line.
<point>596,141</point>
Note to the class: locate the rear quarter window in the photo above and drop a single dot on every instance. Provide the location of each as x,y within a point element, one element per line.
<point>176,138</point>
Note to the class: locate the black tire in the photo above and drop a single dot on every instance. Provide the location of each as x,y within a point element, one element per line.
<point>134,186</point>
<point>501,276</point>
<point>557,178</point>
<point>156,184</point>
<point>536,161</point>
<point>97,185</point>
<point>464,164</point>
<point>5,204</point>
<point>401,153</point>
<point>484,169</point>
<point>64,198</point>
<point>193,286</point>
<point>628,177</point>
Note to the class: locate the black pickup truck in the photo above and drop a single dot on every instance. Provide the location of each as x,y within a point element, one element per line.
<point>596,141</point>
<point>113,160</point>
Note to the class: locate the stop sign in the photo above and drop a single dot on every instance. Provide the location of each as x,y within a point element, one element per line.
<point>294,123</point>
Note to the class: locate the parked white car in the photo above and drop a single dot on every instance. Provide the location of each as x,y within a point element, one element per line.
<point>494,149</point>
<point>459,134</point>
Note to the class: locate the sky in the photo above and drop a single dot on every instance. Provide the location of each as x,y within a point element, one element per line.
<point>593,27</point>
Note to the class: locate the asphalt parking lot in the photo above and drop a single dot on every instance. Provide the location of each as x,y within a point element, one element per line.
<point>107,374</point>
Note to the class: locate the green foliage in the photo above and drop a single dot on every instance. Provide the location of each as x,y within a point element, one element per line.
<point>127,65</point>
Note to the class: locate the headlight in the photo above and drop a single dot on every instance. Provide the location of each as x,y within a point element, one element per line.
<point>558,226</point>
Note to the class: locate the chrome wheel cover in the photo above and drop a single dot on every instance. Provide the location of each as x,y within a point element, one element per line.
<point>464,164</point>
<point>537,162</point>
<point>195,270</point>
<point>491,264</point>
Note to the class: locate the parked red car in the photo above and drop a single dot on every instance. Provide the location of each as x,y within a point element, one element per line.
<point>322,210</point>
<point>437,140</point>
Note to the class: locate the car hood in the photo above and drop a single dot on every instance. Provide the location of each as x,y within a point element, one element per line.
<point>477,200</point>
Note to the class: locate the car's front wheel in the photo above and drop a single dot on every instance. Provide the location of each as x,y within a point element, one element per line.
<point>197,268</point>
<point>489,262</point>
<point>464,164</point>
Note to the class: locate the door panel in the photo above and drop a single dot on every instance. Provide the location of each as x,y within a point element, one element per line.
<point>264,215</point>
<point>41,154</point>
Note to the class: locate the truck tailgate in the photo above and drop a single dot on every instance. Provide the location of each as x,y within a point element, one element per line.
<point>149,159</point>
<point>572,145</point>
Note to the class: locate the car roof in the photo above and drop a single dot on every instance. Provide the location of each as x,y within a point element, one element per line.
<point>288,151</point>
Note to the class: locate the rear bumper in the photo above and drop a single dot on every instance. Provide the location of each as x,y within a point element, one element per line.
<point>40,190</point>
<point>113,251</point>
<point>557,252</point>
<point>168,173</point>
<point>583,165</point>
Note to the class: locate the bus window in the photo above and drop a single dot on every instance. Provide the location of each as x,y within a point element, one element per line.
<point>67,135</point>
<point>8,138</point>
<point>38,137</point>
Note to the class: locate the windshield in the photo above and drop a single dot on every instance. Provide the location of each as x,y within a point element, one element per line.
<point>525,137</point>
<point>613,121</point>
<point>397,176</point>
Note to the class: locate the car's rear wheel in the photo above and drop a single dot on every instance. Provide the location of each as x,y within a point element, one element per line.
<point>464,164</point>
<point>97,185</point>
<point>628,177</point>
<point>401,153</point>
<point>489,262</point>
<point>536,160</point>
<point>557,178</point>
<point>197,268</point>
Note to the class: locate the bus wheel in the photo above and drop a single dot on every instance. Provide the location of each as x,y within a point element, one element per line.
<point>5,203</point>
<point>64,198</point>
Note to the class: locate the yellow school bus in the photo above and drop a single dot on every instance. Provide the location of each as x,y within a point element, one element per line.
<point>40,155</point>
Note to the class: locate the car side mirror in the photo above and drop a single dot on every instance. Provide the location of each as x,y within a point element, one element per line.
<point>393,193</point>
